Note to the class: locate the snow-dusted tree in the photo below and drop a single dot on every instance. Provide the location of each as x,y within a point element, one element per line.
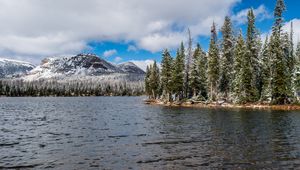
<point>252,83</point>
<point>266,73</point>
<point>213,65</point>
<point>188,62</point>
<point>289,58</point>
<point>154,81</point>
<point>239,55</point>
<point>89,86</point>
<point>279,63</point>
<point>178,74</point>
<point>202,67</point>
<point>198,74</point>
<point>195,81</point>
<point>226,70</point>
<point>147,83</point>
<point>166,75</point>
<point>297,72</point>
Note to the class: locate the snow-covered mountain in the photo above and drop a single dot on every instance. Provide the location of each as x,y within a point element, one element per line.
<point>13,68</point>
<point>130,67</point>
<point>79,66</point>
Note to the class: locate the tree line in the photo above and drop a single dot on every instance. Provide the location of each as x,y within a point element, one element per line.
<point>89,86</point>
<point>236,69</point>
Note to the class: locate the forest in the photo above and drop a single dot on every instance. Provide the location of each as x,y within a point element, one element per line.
<point>237,68</point>
<point>89,86</point>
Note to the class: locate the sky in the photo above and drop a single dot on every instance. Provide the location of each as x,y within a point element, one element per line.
<point>120,31</point>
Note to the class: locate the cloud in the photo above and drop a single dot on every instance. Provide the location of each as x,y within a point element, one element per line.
<point>261,13</point>
<point>143,63</point>
<point>156,42</point>
<point>296,29</point>
<point>109,53</point>
<point>39,28</point>
<point>118,59</point>
<point>287,29</point>
<point>132,48</point>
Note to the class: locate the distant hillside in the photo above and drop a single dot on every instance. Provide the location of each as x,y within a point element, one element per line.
<point>13,68</point>
<point>79,75</point>
<point>79,66</point>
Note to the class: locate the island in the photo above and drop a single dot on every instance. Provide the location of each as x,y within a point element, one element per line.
<point>237,71</point>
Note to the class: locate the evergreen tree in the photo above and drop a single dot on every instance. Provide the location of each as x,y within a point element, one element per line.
<point>297,53</point>
<point>297,72</point>
<point>239,55</point>
<point>147,83</point>
<point>188,62</point>
<point>154,81</point>
<point>227,58</point>
<point>195,81</point>
<point>279,63</point>
<point>289,58</point>
<point>178,73</point>
<point>213,65</point>
<point>251,58</point>
<point>266,73</point>
<point>203,76</point>
<point>202,67</point>
<point>166,75</point>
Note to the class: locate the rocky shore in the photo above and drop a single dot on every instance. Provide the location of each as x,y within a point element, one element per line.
<point>198,104</point>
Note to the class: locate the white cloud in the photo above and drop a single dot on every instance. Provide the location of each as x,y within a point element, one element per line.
<point>39,28</point>
<point>118,59</point>
<point>132,48</point>
<point>261,13</point>
<point>143,63</point>
<point>156,42</point>
<point>109,53</point>
<point>296,29</point>
<point>287,28</point>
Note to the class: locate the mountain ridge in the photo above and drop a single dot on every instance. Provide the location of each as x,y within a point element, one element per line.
<point>75,66</point>
<point>10,68</point>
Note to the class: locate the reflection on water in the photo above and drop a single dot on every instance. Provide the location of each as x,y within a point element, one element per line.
<point>123,133</point>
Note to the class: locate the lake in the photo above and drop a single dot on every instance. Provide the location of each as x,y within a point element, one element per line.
<point>124,133</point>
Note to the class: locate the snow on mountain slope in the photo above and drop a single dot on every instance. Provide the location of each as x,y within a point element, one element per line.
<point>130,67</point>
<point>13,68</point>
<point>79,66</point>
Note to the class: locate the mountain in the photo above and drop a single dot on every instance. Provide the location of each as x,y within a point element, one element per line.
<point>13,68</point>
<point>130,67</point>
<point>80,65</point>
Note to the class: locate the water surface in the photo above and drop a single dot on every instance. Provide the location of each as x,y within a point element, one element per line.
<point>123,133</point>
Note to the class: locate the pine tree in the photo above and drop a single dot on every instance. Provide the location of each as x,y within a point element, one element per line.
<point>297,53</point>
<point>239,55</point>
<point>147,84</point>
<point>292,63</point>
<point>178,73</point>
<point>227,58</point>
<point>251,58</point>
<point>213,65</point>
<point>195,81</point>
<point>154,81</point>
<point>166,74</point>
<point>266,73</point>
<point>188,61</point>
<point>258,65</point>
<point>289,58</point>
<point>297,72</point>
<point>279,63</point>
<point>202,67</point>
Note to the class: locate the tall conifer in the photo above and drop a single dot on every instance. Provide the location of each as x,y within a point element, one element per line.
<point>178,73</point>
<point>226,71</point>
<point>279,63</point>
<point>166,74</point>
<point>213,65</point>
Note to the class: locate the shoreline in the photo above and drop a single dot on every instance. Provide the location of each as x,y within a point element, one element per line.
<point>289,107</point>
